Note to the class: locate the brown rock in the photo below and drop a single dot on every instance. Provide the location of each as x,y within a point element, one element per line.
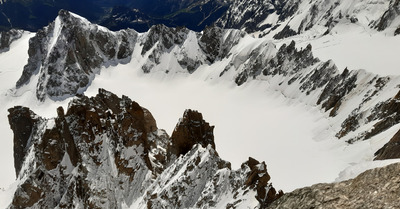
<point>258,179</point>
<point>22,121</point>
<point>191,130</point>
<point>391,150</point>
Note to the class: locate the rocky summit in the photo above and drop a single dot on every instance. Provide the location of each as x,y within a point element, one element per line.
<point>107,152</point>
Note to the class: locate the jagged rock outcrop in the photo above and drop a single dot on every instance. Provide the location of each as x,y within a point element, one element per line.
<point>376,188</point>
<point>191,130</point>
<point>389,16</point>
<point>23,122</point>
<point>107,152</point>
<point>7,37</point>
<point>285,18</point>
<point>69,52</point>
<point>251,15</point>
<point>391,150</point>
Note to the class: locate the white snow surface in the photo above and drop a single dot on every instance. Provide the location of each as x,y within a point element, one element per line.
<point>354,47</point>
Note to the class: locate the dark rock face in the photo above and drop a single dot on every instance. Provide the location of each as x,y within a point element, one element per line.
<point>107,151</point>
<point>289,61</point>
<point>68,53</point>
<point>210,42</point>
<point>337,88</point>
<point>7,37</point>
<point>191,130</point>
<point>285,33</point>
<point>385,113</point>
<point>168,37</point>
<point>163,39</point>
<point>391,150</point>
<point>372,189</point>
<point>258,178</point>
<point>389,16</point>
<point>22,122</point>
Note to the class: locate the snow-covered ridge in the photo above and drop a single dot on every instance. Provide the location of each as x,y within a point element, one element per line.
<point>284,18</point>
<point>65,55</point>
<point>107,152</point>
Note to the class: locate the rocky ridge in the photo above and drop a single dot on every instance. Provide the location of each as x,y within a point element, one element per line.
<point>285,18</point>
<point>107,152</point>
<point>66,54</point>
<point>7,37</point>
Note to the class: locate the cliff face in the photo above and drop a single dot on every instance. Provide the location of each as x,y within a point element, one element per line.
<point>107,152</point>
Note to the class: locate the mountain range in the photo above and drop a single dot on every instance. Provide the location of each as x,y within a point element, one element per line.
<point>302,61</point>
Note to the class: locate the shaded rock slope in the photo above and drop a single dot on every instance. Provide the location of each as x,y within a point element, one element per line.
<point>65,56</point>
<point>376,188</point>
<point>107,152</point>
<point>7,37</point>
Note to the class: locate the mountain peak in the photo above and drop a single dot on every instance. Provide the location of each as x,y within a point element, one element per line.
<point>69,52</point>
<point>190,130</point>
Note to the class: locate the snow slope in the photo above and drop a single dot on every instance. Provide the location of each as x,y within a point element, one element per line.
<point>354,47</point>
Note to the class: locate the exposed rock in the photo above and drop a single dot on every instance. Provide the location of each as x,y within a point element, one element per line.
<point>167,37</point>
<point>160,39</point>
<point>337,88</point>
<point>389,16</point>
<point>191,130</point>
<point>258,178</point>
<point>391,150</point>
<point>285,32</point>
<point>107,152</point>
<point>210,42</point>
<point>397,31</point>
<point>250,15</point>
<point>290,61</point>
<point>385,115</point>
<point>92,131</point>
<point>7,37</point>
<point>23,122</point>
<point>375,188</point>
<point>68,53</point>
